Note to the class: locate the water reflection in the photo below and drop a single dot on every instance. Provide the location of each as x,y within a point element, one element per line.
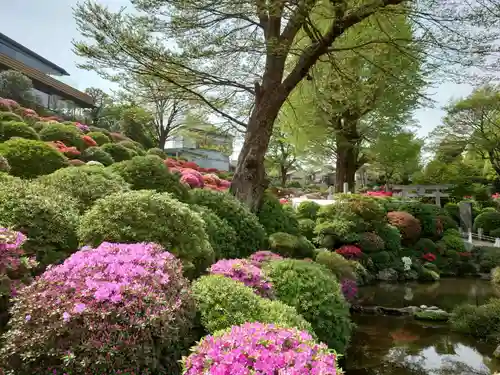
<point>401,346</point>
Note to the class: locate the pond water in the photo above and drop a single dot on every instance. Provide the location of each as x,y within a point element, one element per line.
<point>388,345</point>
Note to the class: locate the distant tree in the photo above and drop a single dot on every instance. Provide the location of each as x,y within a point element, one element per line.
<point>134,123</point>
<point>16,86</point>
<point>281,155</point>
<point>102,101</point>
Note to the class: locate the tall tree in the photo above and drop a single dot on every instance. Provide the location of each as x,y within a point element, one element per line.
<point>282,154</point>
<point>233,54</point>
<point>16,86</point>
<point>101,102</point>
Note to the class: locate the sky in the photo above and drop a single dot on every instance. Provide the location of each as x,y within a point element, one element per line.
<point>48,28</point>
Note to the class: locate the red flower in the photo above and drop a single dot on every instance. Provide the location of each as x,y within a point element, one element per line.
<point>89,141</point>
<point>349,251</point>
<point>429,257</point>
<point>283,201</point>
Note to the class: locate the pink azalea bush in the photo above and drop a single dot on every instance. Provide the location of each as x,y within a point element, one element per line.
<point>84,128</point>
<point>349,289</point>
<point>260,257</point>
<point>191,180</point>
<point>102,312</point>
<point>244,271</point>
<point>256,348</point>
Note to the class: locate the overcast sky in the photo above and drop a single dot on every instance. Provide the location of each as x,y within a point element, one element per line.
<point>47,27</point>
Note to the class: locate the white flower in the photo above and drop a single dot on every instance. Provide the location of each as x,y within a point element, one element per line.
<point>406,263</point>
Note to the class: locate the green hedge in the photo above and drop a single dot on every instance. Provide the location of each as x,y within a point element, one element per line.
<point>291,246</point>
<point>118,152</point>
<point>17,129</point>
<point>488,221</point>
<point>68,134</point>
<point>99,137</point>
<point>274,218</point>
<point>97,154</point>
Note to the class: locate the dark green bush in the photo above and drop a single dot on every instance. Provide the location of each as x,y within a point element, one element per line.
<point>447,222</point>
<point>335,232</point>
<point>99,137</point>
<point>340,267</point>
<point>391,237</point>
<point>17,129</point>
<point>488,209</point>
<point>251,234</point>
<point>426,214</point>
<point>381,260</point>
<point>488,257</point>
<point>370,242</point>
<point>314,291</point>
<point>29,158</point>
<point>95,129</point>
<point>118,152</point>
<point>47,217</point>
<point>274,218</point>
<point>454,243</point>
<point>158,152</point>
<point>222,236</point>
<point>487,221</point>
<point>427,275</point>
<point>97,154</point>
<point>308,210</point>
<point>291,246</point>
<point>147,216</point>
<point>432,267</point>
<point>453,211</point>
<point>86,184</point>
<point>425,245</point>
<point>306,228</point>
<point>147,172</point>
<point>479,321</point>
<point>223,302</point>
<point>68,134</point>
<point>495,233</point>
<point>407,224</point>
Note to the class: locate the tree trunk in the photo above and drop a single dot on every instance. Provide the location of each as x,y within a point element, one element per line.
<point>347,140</point>
<point>283,176</point>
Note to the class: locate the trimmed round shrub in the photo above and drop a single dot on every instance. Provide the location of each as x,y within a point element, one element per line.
<point>268,349</point>
<point>222,236</point>
<point>99,137</point>
<point>428,275</point>
<point>10,116</point>
<point>118,152</point>
<point>291,246</point>
<point>495,233</point>
<point>495,275</point>
<point>487,221</point>
<point>262,257</point>
<point>132,145</point>
<point>315,292</point>
<point>47,217</point>
<point>453,210</point>
<point>94,129</point>
<point>68,134</point>
<point>370,242</point>
<point>335,232</point>
<point>107,307</point>
<point>244,271</point>
<point>251,234</point>
<point>146,216</point>
<point>381,260</point>
<point>86,184</point>
<point>340,267</point>
<point>29,158</point>
<point>454,243</point>
<point>274,218</point>
<point>391,237</point>
<point>480,321</point>
<point>306,228</point>
<point>158,152</point>
<point>425,245</point>
<point>426,214</point>
<point>17,129</point>
<point>308,210</point>
<point>150,173</point>
<point>223,302</point>
<point>447,222</point>
<point>407,224</point>
<point>97,154</point>
<point>4,165</point>
<point>488,209</point>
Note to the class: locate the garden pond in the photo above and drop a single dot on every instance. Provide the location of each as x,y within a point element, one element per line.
<point>390,345</point>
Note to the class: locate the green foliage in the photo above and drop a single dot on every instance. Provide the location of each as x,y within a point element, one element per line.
<point>291,246</point>
<point>147,172</point>
<point>479,321</point>
<point>251,234</point>
<point>495,233</point>
<point>487,257</point>
<point>495,275</point>
<point>274,218</point>
<point>99,137</point>
<point>4,165</point>
<point>146,216</point>
<point>370,242</point>
<point>447,222</point>
<point>488,209</point>
<point>68,134</point>
<point>118,152</point>
<point>158,152</point>
<point>425,245</point>
<point>433,315</point>
<point>407,224</point>
<point>391,237</point>
<point>308,210</point>
<point>453,211</point>
<point>97,154</point>
<point>29,158</point>
<point>340,267</point>
<point>427,275</point>
<point>314,291</point>
<point>426,214</point>
<point>10,116</point>
<point>488,221</point>
<point>222,236</point>
<point>381,260</point>
<point>133,124</point>
<point>335,232</point>
<point>17,129</point>
<point>16,86</point>
<point>454,243</point>
<point>306,228</point>
<point>134,147</point>
<point>47,217</point>
<point>223,302</point>
<point>432,267</point>
<point>86,184</point>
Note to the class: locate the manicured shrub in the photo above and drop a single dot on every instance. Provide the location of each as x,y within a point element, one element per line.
<point>370,242</point>
<point>260,258</point>
<point>495,233</point>
<point>427,275</point>
<point>132,145</point>
<point>251,234</point>
<point>94,129</point>
<point>266,352</point>
<point>447,222</point>
<point>4,165</point>
<point>335,232</point>
<point>29,158</point>
<point>381,260</point>
<point>10,116</point>
<point>223,302</point>
<point>453,210</point>
<point>314,291</point>
<point>426,214</point>
<point>306,228</point>
<point>425,245</point>
<point>17,129</point>
<point>291,246</point>
<point>158,152</point>
<point>48,218</point>
<point>99,137</point>
<point>480,321</point>
<point>407,224</point>
<point>244,271</point>
<point>107,307</point>
<point>391,237</point>
<point>274,218</point>
<point>118,152</point>
<point>97,154</point>
<point>336,263</point>
<point>454,243</point>
<point>222,236</point>
<point>308,210</point>
<point>86,184</point>
<point>146,216</point>
<point>487,221</point>
<point>350,252</point>
<point>486,257</point>
<point>143,172</point>
<point>68,134</point>
<point>495,275</point>
<point>488,209</point>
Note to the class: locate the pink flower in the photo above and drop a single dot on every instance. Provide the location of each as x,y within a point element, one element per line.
<point>66,316</point>
<point>79,308</point>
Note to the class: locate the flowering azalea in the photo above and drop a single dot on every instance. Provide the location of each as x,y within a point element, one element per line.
<point>429,257</point>
<point>349,251</point>
<point>89,141</point>
<point>263,256</point>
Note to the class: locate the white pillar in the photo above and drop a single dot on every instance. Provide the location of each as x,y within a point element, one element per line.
<point>470,237</point>
<point>497,242</point>
<point>480,234</point>
<point>438,198</point>
<point>346,188</point>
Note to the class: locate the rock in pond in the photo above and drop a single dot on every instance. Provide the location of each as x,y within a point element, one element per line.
<point>388,274</point>
<point>434,315</point>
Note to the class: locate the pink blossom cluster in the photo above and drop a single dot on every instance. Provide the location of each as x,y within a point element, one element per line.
<point>244,271</point>
<point>196,177</point>
<point>349,289</point>
<point>260,257</point>
<point>349,252</point>
<point>379,193</point>
<point>84,128</point>
<point>256,348</point>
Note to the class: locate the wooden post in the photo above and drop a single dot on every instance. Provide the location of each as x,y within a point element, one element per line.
<point>438,198</point>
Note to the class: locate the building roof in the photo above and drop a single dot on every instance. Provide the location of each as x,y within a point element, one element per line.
<point>33,54</point>
<point>41,79</point>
